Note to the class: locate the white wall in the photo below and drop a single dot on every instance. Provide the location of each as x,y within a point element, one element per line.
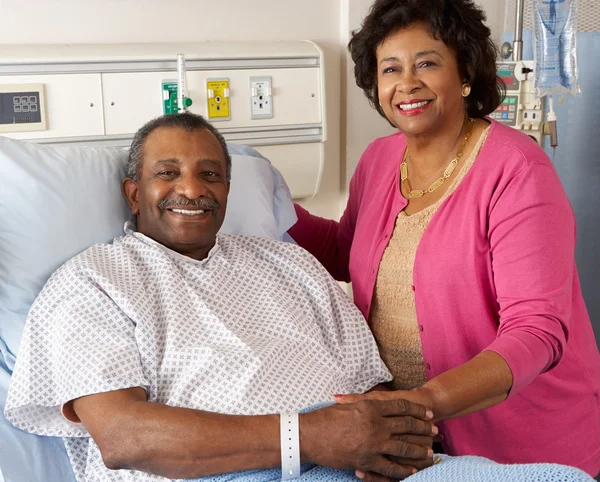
<point>362,123</point>
<point>495,16</point>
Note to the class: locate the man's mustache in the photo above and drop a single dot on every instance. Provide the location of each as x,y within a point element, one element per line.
<point>200,203</point>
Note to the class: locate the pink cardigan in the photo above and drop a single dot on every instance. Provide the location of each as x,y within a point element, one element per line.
<point>495,270</point>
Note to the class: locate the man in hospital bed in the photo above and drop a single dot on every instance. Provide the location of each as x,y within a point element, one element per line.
<point>172,351</point>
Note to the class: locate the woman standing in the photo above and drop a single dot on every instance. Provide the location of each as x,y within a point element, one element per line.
<point>459,242</point>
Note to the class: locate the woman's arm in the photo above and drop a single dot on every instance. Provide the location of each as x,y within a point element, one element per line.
<point>480,383</point>
<point>532,247</point>
<point>327,240</point>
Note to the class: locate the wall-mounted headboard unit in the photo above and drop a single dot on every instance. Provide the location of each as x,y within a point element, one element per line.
<point>269,95</point>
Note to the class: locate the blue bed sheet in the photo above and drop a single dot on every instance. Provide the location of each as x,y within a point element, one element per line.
<point>25,457</point>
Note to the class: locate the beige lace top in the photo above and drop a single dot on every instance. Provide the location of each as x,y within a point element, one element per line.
<point>393,317</point>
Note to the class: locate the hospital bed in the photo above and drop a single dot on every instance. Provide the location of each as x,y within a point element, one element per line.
<point>57,201</point>
<point>67,114</point>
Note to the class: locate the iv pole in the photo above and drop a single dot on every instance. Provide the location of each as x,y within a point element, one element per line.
<point>516,49</point>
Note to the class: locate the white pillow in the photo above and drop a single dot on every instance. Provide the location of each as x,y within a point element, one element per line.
<point>57,201</point>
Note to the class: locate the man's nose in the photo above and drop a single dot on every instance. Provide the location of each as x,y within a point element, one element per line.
<point>191,186</point>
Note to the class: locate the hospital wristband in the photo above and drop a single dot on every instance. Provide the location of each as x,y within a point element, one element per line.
<point>290,446</point>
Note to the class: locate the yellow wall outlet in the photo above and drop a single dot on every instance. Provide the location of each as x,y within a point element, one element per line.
<point>217,95</point>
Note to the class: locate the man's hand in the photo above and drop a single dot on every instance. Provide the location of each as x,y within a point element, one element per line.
<point>370,436</point>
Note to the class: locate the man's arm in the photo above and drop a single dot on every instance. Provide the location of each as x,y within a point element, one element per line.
<point>183,443</point>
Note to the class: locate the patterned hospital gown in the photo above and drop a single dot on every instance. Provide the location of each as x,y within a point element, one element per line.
<point>257,327</point>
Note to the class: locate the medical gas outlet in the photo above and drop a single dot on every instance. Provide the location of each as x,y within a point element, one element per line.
<point>170,104</point>
<point>217,95</point>
<point>261,98</point>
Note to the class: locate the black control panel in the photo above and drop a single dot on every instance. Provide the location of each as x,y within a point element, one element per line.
<point>20,108</point>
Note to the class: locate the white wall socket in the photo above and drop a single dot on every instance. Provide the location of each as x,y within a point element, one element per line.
<point>261,98</point>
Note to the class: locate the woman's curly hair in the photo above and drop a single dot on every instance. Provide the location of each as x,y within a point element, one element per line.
<point>457,23</point>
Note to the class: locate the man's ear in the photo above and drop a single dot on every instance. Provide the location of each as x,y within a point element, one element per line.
<point>130,191</point>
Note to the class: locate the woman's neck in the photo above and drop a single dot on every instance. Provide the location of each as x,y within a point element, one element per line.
<point>430,153</point>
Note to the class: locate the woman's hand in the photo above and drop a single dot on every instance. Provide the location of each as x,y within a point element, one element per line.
<point>422,396</point>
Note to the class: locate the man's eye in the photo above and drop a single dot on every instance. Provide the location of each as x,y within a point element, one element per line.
<point>210,174</point>
<point>167,173</point>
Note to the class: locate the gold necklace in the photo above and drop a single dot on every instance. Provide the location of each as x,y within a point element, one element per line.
<point>447,173</point>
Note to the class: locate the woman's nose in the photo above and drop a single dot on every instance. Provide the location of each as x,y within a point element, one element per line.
<point>409,83</point>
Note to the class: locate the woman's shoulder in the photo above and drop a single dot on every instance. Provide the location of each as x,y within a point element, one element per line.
<point>511,148</point>
<point>386,145</point>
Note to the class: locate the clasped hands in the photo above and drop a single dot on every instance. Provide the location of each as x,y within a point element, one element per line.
<point>386,435</point>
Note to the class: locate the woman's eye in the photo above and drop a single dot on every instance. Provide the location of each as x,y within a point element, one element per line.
<point>427,64</point>
<point>388,70</point>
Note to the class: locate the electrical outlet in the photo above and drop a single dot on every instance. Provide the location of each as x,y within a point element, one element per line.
<point>261,98</point>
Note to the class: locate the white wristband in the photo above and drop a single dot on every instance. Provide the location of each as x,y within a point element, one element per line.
<point>290,446</point>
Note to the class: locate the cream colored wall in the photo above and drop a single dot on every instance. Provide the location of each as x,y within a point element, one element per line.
<point>352,123</point>
<point>115,21</point>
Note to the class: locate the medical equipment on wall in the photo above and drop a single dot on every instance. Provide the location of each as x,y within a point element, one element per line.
<point>554,70</point>
<point>521,109</point>
<point>183,101</point>
<point>555,47</point>
<point>269,95</point>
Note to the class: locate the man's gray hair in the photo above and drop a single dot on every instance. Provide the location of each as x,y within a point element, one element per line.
<point>187,121</point>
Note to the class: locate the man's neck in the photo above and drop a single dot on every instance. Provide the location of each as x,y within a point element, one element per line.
<point>197,253</point>
<point>193,251</point>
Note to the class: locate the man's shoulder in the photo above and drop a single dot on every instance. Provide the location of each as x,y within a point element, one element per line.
<point>101,257</point>
<point>104,266</point>
<point>265,248</point>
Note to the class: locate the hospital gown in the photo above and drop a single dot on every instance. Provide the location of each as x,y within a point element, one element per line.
<point>257,327</point>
